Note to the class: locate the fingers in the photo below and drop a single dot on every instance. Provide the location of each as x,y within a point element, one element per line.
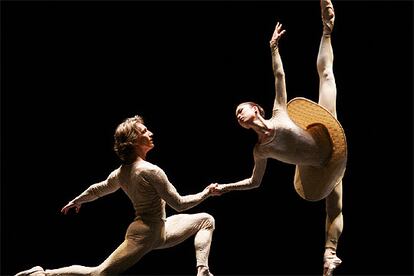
<point>278,29</point>
<point>213,186</point>
<point>278,26</point>
<point>69,206</point>
<point>64,210</point>
<point>214,189</point>
<point>278,32</point>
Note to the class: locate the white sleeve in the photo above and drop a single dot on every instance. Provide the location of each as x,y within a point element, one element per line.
<point>100,189</point>
<point>159,180</point>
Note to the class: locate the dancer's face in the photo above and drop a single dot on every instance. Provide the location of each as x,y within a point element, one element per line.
<point>145,139</point>
<point>246,114</point>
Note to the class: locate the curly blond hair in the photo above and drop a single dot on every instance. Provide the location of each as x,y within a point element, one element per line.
<point>126,136</point>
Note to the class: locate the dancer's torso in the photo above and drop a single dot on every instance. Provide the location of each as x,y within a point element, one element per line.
<point>290,143</point>
<point>146,201</point>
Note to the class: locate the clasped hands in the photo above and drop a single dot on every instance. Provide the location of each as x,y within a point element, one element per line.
<point>215,189</point>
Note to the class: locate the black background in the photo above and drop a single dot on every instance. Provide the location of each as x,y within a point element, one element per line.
<point>71,71</point>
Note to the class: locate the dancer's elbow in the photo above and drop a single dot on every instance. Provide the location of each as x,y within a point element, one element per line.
<point>254,183</point>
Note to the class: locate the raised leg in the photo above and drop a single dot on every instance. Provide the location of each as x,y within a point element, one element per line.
<point>327,85</point>
<point>180,227</point>
<point>327,98</point>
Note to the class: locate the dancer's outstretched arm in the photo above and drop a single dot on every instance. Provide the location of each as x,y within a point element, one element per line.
<point>159,180</point>
<point>279,73</point>
<point>94,191</point>
<point>246,184</point>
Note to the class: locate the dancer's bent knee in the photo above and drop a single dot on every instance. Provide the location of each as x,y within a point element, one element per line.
<point>208,221</point>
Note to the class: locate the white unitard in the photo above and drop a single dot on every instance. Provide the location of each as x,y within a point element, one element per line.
<point>148,188</point>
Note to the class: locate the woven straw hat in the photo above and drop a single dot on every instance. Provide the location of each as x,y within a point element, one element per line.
<point>316,182</point>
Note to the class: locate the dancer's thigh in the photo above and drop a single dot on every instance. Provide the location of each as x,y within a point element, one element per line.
<point>180,227</point>
<point>139,240</point>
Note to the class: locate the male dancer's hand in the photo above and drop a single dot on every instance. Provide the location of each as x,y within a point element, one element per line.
<point>69,206</point>
<point>216,189</point>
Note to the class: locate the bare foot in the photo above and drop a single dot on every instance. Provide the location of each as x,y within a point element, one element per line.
<point>328,16</point>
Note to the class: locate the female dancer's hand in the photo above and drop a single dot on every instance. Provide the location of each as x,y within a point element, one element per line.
<point>216,189</point>
<point>277,34</point>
